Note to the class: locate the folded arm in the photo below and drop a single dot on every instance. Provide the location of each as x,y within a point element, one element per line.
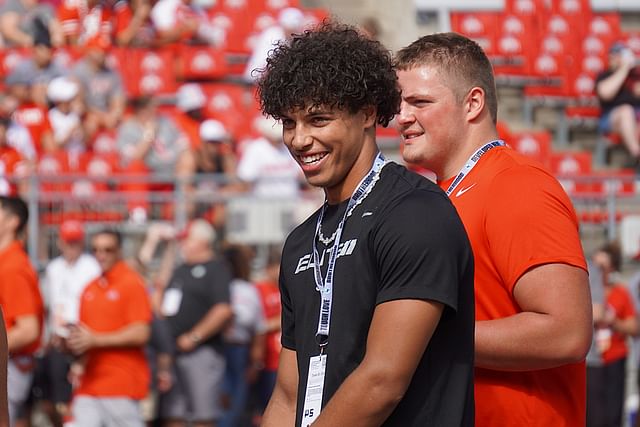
<point>554,327</point>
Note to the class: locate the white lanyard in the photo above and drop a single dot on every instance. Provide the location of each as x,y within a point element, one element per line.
<point>326,287</point>
<point>471,163</point>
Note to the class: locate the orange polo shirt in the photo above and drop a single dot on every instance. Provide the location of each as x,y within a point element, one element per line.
<point>19,291</point>
<point>109,303</point>
<point>518,217</point>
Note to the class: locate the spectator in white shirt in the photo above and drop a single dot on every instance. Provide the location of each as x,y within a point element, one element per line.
<point>267,166</point>
<point>65,121</point>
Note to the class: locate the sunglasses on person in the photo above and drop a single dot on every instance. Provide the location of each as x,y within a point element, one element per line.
<point>104,249</point>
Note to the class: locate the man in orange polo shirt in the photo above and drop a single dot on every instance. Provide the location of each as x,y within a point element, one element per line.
<point>115,315</point>
<point>533,306</point>
<point>20,300</point>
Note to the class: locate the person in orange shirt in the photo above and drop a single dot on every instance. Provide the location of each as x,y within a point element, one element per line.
<point>114,326</point>
<point>20,300</point>
<point>606,373</point>
<point>12,165</point>
<point>533,305</point>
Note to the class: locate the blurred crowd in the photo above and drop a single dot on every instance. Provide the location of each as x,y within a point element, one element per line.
<point>126,98</point>
<point>103,89</point>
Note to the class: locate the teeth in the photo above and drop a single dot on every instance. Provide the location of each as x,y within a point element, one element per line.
<point>312,159</point>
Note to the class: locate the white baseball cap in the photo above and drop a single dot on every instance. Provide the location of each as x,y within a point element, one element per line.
<point>213,130</point>
<point>62,89</point>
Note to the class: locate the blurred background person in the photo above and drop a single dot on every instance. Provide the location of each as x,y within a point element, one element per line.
<point>40,67</point>
<point>269,290</point>
<point>215,159</point>
<point>618,90</point>
<point>85,21</point>
<point>27,113</point>
<point>150,144</point>
<point>109,339</point>
<point>20,300</point>
<point>266,166</point>
<point>613,325</point>
<point>190,103</point>
<point>101,89</point>
<point>182,21</point>
<point>132,23</point>
<point>12,164</point>
<point>65,278</point>
<point>65,121</point>
<point>20,21</point>
<point>196,305</point>
<point>244,338</point>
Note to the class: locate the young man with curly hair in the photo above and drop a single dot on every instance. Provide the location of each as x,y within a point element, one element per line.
<point>533,306</point>
<point>377,298</point>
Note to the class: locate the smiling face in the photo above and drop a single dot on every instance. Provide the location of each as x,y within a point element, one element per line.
<point>431,119</point>
<point>334,148</point>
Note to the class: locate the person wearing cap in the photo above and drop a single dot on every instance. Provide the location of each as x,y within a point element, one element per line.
<point>64,119</point>
<point>196,305</point>
<point>212,171</point>
<point>20,300</point>
<point>618,90</point>
<point>290,20</point>
<point>102,92</point>
<point>190,102</point>
<point>65,278</point>
<point>111,369</point>
<point>266,167</point>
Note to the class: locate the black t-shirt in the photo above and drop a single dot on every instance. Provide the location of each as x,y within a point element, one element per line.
<point>625,95</point>
<point>404,241</point>
<point>203,285</point>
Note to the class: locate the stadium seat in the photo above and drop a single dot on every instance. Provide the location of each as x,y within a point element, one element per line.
<point>536,145</point>
<point>202,63</point>
<point>572,169</point>
<point>478,26</point>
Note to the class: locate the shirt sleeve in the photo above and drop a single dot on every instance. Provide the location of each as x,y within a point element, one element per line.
<point>68,17</point>
<point>422,250</point>
<point>139,308</point>
<point>529,222</point>
<point>221,291</point>
<point>287,338</point>
<point>18,297</point>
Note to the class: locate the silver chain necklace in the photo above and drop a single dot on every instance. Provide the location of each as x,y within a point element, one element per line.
<point>326,240</point>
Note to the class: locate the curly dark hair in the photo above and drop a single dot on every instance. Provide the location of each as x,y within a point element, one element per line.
<point>332,65</point>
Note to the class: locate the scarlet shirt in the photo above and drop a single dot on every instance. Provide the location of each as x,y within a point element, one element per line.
<point>19,291</point>
<point>620,301</point>
<point>272,307</point>
<point>11,166</point>
<point>518,217</point>
<point>109,303</point>
<point>36,119</point>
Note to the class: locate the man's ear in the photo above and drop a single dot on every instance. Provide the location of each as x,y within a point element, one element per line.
<point>474,103</point>
<point>370,116</point>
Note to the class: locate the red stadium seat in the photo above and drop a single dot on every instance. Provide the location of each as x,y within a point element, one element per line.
<point>536,145</point>
<point>478,26</point>
<point>202,63</point>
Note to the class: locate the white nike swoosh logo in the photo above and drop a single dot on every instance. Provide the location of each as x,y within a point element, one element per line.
<point>464,190</point>
<point>367,214</point>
